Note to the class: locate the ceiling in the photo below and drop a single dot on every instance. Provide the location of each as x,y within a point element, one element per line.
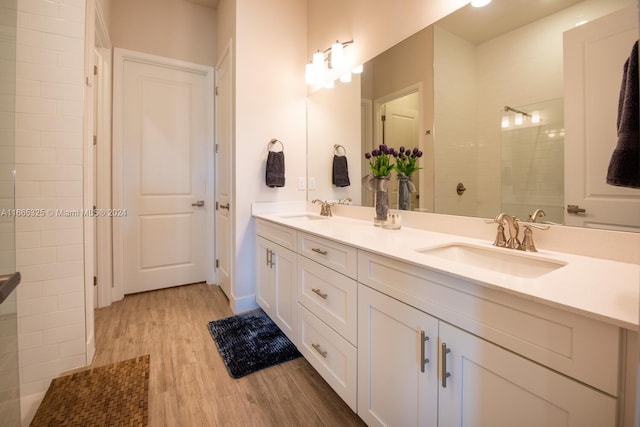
<point>206,3</point>
<point>503,16</point>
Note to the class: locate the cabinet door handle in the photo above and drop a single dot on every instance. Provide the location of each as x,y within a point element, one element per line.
<point>423,360</point>
<point>319,251</point>
<point>272,261</point>
<point>443,356</point>
<point>319,293</point>
<point>268,263</point>
<point>317,348</point>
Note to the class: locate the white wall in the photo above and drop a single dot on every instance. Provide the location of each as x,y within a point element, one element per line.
<point>171,28</point>
<point>333,117</point>
<point>270,57</point>
<point>49,112</point>
<point>374,25</point>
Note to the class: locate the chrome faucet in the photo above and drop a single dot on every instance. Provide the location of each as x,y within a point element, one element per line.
<point>325,207</point>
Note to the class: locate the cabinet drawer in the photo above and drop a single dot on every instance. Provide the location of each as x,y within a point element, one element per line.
<point>284,236</point>
<point>330,354</point>
<point>577,346</point>
<point>339,257</point>
<point>330,296</point>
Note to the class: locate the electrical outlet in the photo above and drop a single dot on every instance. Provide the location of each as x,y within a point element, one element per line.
<point>301,183</point>
<point>312,183</point>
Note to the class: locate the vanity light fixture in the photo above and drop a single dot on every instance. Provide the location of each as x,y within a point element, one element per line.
<point>480,3</point>
<point>520,118</point>
<point>334,63</point>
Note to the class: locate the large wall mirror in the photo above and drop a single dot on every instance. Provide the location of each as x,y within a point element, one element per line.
<point>511,104</point>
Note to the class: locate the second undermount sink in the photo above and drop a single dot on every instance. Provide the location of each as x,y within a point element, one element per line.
<point>500,260</point>
<point>304,217</point>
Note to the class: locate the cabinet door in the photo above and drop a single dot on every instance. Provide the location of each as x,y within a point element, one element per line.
<point>284,266</point>
<point>276,275</point>
<point>493,387</point>
<point>265,280</point>
<point>395,387</point>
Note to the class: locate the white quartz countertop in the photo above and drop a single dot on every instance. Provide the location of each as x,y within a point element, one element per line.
<point>601,289</point>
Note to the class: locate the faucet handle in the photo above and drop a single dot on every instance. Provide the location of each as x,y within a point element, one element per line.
<point>501,240</point>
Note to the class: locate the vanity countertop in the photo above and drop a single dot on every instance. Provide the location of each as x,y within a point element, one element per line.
<point>601,289</point>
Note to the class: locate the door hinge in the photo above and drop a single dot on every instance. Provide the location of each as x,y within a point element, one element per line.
<point>383,118</point>
<point>216,205</point>
<point>217,91</point>
<point>95,139</point>
<point>95,281</point>
<point>95,70</point>
<point>217,263</point>
<point>216,148</point>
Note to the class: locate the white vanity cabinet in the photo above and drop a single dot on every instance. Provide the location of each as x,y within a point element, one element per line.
<point>469,380</point>
<point>276,275</point>
<point>415,370</point>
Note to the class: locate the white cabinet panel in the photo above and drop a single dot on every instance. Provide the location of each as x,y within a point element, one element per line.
<point>330,296</point>
<point>337,256</point>
<point>276,285</point>
<point>331,355</point>
<point>396,385</point>
<point>490,386</point>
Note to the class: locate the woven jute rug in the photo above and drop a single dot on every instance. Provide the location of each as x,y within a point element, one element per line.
<point>112,395</point>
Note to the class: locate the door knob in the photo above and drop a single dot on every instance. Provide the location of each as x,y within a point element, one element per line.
<point>199,203</point>
<point>575,209</point>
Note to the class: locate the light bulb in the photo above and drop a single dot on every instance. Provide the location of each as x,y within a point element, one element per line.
<point>480,3</point>
<point>535,117</point>
<point>505,121</point>
<point>337,55</point>
<point>519,119</point>
<point>345,77</point>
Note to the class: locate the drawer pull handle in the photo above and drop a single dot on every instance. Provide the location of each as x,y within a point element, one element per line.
<point>319,293</point>
<point>317,348</point>
<point>423,360</point>
<point>443,355</point>
<point>319,251</point>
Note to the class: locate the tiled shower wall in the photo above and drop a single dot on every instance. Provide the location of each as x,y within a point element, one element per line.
<point>49,112</point>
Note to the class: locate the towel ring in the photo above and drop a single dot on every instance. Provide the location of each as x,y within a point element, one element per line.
<point>273,142</point>
<point>337,147</point>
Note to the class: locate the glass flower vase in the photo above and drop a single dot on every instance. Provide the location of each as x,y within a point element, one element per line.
<point>405,188</point>
<point>381,200</point>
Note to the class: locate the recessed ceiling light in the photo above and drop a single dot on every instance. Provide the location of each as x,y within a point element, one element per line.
<point>480,3</point>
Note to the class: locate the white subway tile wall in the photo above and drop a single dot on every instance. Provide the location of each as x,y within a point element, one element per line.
<point>49,113</point>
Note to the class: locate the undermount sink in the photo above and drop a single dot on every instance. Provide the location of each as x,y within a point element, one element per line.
<point>500,260</point>
<point>304,217</point>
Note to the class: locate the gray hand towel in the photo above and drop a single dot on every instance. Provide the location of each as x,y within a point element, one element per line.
<point>275,169</point>
<point>624,167</point>
<point>340,173</point>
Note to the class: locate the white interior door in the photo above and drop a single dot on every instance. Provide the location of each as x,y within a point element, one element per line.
<point>594,54</point>
<point>223,171</point>
<point>165,129</point>
<point>401,129</point>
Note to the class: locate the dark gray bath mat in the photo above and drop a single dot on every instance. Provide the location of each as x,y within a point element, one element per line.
<point>251,341</point>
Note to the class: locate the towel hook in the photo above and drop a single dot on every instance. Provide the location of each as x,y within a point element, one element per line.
<point>337,147</point>
<point>273,142</point>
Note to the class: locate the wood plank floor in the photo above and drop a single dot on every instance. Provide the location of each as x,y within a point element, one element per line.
<point>189,384</point>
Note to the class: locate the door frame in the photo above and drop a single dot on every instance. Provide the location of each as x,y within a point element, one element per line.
<point>120,57</point>
<point>102,174</point>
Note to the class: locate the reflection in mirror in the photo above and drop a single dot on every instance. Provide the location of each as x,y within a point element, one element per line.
<point>466,68</point>
<point>533,160</point>
<point>9,367</point>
